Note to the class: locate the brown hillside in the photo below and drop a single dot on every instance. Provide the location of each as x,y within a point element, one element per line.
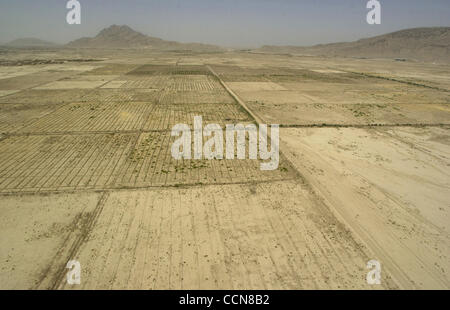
<point>427,44</point>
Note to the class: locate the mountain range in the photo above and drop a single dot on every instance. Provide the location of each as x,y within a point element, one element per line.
<point>29,42</point>
<point>124,37</point>
<point>425,44</point>
<point>428,44</point>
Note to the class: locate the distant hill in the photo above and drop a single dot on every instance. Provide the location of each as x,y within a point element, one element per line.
<point>124,37</point>
<point>427,44</point>
<point>29,42</point>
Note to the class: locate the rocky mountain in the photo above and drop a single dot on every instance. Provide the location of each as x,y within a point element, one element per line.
<point>124,37</point>
<point>426,44</point>
<point>29,42</point>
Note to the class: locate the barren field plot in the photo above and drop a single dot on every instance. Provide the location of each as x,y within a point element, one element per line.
<point>305,76</point>
<point>291,114</point>
<point>346,104</point>
<point>92,77</point>
<point>283,74</point>
<point>415,72</point>
<point>7,72</point>
<point>194,83</point>
<point>151,69</point>
<point>327,71</point>
<point>368,90</point>
<point>165,116</point>
<point>320,92</point>
<point>37,232</point>
<point>333,93</point>
<point>274,97</point>
<point>230,73</point>
<point>11,71</point>
<point>186,97</point>
<point>72,85</point>
<point>114,84</point>
<point>75,67</point>
<point>101,95</point>
<point>417,95</point>
<point>244,78</point>
<point>151,163</point>
<point>435,78</point>
<point>8,92</point>
<point>254,86</point>
<point>301,113</point>
<point>112,69</point>
<point>174,83</point>
<point>384,149</point>
<point>91,117</point>
<point>33,80</point>
<point>157,82</point>
<point>391,186</point>
<point>262,236</point>
<point>15,116</point>
<point>55,163</point>
<point>34,96</point>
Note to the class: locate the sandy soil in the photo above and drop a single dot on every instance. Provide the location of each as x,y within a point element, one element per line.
<point>259,236</point>
<point>38,231</point>
<point>391,186</point>
<point>86,173</point>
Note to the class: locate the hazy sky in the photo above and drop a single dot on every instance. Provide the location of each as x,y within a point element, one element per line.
<point>246,23</point>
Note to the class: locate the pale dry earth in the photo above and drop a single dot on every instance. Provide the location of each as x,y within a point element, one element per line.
<point>86,172</point>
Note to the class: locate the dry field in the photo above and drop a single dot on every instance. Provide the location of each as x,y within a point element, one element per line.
<point>86,173</point>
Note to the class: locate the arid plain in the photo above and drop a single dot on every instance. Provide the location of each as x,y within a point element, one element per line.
<point>86,171</point>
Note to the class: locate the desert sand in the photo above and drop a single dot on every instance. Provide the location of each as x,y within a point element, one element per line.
<point>86,172</point>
